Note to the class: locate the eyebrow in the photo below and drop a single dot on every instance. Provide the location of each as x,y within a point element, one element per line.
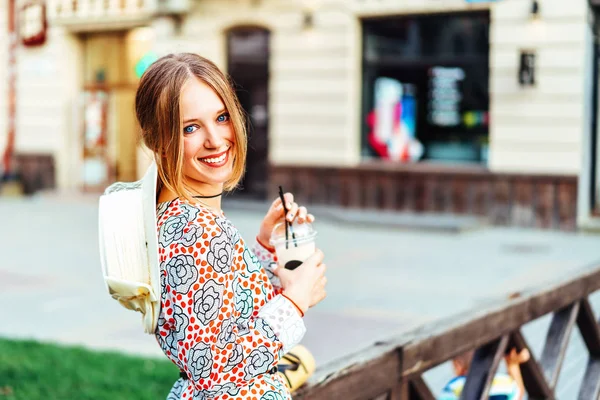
<point>187,121</point>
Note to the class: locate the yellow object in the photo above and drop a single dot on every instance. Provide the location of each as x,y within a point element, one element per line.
<point>11,189</point>
<point>296,367</point>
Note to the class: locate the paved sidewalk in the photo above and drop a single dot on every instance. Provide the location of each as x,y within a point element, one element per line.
<point>383,280</point>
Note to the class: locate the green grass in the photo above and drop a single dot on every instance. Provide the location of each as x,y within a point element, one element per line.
<point>30,370</point>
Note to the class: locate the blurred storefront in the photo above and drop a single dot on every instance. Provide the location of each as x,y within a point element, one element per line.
<point>589,178</point>
<point>455,106</point>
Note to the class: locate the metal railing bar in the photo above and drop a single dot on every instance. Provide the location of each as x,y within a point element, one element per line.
<point>588,326</point>
<point>557,342</point>
<point>483,367</point>
<point>590,385</point>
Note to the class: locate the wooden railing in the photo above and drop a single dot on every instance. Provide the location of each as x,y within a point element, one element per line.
<point>392,370</point>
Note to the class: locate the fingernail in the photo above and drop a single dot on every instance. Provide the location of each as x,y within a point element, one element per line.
<point>279,207</point>
<point>290,215</point>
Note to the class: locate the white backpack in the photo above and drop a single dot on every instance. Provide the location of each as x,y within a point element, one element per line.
<point>129,246</point>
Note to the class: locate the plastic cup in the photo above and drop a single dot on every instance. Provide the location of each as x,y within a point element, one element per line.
<point>297,247</point>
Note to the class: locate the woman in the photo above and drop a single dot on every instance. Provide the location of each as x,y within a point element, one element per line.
<point>222,321</point>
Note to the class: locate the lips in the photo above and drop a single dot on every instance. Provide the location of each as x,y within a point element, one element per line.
<point>215,160</point>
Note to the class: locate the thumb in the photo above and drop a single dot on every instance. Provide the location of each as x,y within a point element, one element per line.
<point>275,213</point>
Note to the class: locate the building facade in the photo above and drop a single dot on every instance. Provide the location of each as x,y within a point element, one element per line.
<point>476,107</point>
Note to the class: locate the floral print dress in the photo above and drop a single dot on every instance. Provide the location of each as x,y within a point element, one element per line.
<point>223,321</point>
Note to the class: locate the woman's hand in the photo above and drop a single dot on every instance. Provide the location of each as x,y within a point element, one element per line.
<point>305,285</point>
<point>275,215</point>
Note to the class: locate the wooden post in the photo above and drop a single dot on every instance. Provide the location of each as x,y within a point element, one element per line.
<point>482,370</point>
<point>12,89</point>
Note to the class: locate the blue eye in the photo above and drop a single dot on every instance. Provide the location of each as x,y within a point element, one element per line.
<point>189,129</point>
<point>223,117</point>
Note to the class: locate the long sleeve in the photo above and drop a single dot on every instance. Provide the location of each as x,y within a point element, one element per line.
<point>221,320</point>
<point>267,259</point>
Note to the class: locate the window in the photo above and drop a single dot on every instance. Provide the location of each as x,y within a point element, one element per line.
<point>425,87</point>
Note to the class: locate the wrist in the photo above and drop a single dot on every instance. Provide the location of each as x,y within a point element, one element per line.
<point>265,244</point>
<point>296,301</point>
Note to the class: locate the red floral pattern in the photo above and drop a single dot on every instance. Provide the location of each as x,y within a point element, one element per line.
<point>222,321</point>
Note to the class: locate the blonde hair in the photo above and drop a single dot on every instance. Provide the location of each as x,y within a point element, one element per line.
<point>157,107</point>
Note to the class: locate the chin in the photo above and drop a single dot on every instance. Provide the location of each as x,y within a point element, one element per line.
<point>215,178</point>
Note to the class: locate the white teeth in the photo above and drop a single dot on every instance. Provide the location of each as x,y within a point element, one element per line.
<point>214,160</point>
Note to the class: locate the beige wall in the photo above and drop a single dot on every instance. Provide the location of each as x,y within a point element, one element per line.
<point>47,88</point>
<point>314,80</point>
<point>538,129</point>
<point>316,76</point>
<point>315,84</point>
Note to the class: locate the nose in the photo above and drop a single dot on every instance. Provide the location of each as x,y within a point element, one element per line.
<point>213,139</point>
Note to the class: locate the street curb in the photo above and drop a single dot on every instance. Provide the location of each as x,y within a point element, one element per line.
<point>433,222</point>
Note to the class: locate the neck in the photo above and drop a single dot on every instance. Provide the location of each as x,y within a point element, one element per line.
<point>214,203</point>
<point>204,190</point>
<point>200,190</point>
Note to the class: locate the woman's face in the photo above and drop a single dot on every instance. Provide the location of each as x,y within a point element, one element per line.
<point>208,138</point>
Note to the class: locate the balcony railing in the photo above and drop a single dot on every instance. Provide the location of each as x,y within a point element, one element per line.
<point>102,14</point>
<point>392,370</point>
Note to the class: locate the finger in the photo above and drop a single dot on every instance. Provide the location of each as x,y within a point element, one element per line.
<point>322,269</point>
<point>318,296</point>
<point>275,213</point>
<point>310,218</point>
<point>323,281</point>
<point>302,214</point>
<point>316,257</point>
<point>292,212</point>
<point>289,199</point>
<point>322,295</point>
<point>524,356</point>
<point>276,202</point>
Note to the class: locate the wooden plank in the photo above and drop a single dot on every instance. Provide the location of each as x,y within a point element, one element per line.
<point>482,370</point>
<point>440,341</point>
<point>364,375</point>
<point>557,341</point>
<point>533,375</point>
<point>588,327</point>
<point>418,390</point>
<point>590,386</point>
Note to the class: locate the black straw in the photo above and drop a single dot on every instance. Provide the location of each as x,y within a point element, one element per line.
<point>288,225</point>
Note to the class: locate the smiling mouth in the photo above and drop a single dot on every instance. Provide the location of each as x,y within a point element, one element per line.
<point>216,161</point>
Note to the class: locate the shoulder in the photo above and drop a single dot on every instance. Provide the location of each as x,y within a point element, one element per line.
<point>176,210</point>
<point>184,223</point>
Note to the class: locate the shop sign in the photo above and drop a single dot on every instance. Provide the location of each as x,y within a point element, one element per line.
<point>33,24</point>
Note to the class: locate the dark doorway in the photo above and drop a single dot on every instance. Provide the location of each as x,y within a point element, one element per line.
<point>248,66</point>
